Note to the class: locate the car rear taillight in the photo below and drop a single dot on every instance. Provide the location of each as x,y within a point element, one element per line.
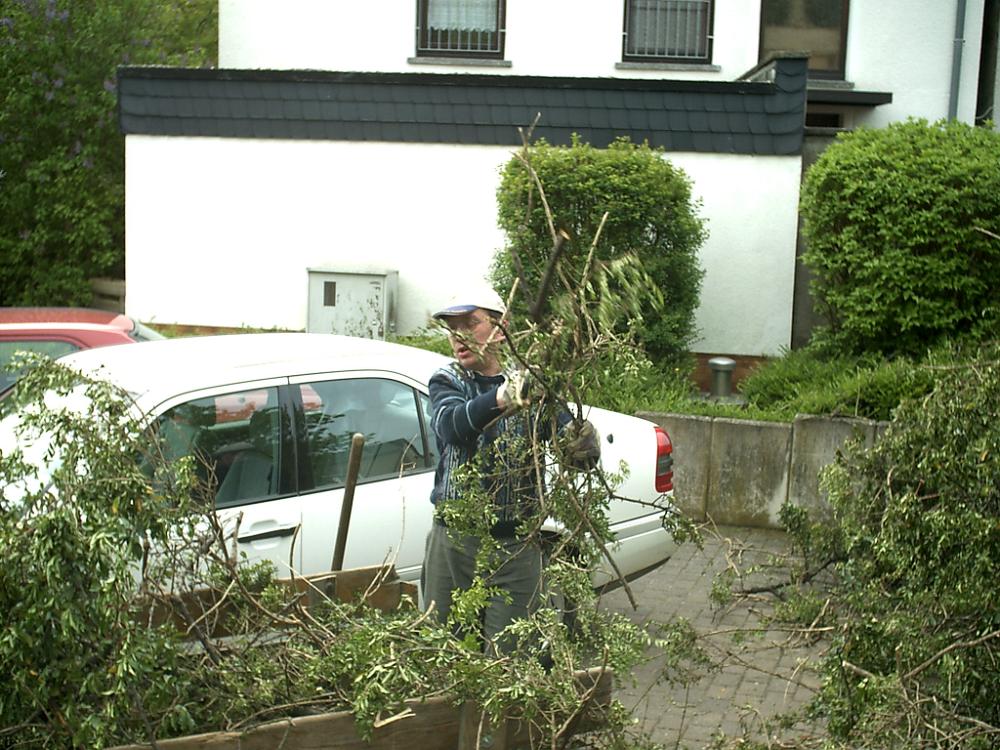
<point>664,461</point>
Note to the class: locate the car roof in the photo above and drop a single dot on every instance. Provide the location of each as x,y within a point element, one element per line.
<point>157,370</point>
<point>61,316</point>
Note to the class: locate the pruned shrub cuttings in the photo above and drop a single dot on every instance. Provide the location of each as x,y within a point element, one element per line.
<point>917,659</point>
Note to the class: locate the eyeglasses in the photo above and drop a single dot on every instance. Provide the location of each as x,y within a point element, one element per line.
<point>465,323</point>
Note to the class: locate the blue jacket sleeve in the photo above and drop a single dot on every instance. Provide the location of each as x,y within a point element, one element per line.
<point>456,418</point>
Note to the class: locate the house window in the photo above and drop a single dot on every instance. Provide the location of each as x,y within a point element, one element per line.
<point>818,27</point>
<point>460,28</point>
<point>668,31</point>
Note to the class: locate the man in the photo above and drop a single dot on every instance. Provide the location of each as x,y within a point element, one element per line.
<point>480,413</point>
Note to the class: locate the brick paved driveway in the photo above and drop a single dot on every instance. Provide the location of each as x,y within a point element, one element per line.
<point>752,681</point>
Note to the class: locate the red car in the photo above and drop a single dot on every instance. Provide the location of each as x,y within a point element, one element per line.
<point>56,331</point>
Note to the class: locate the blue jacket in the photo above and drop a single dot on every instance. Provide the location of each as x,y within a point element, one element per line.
<point>465,421</point>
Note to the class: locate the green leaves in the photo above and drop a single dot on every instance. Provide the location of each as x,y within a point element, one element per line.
<point>892,217</point>
<point>97,555</point>
<point>651,218</point>
<point>918,516</point>
<point>61,154</point>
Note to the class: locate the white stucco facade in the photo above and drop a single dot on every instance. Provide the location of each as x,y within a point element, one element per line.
<point>906,47</point>
<point>546,38</point>
<point>247,218</point>
<point>898,46</point>
<point>221,231</point>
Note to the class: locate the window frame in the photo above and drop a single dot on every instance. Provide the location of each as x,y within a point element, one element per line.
<point>709,38</point>
<point>307,483</point>
<point>422,44</point>
<point>837,74</point>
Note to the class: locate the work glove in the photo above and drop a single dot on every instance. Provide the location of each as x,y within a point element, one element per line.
<point>581,445</point>
<point>517,391</point>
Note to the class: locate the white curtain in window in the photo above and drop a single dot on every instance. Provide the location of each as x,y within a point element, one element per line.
<point>467,15</point>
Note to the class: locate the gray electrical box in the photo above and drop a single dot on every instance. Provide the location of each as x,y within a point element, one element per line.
<point>352,302</point>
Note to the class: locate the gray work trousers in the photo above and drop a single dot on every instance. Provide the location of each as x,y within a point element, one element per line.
<point>450,566</point>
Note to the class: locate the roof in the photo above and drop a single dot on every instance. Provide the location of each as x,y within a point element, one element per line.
<point>763,116</point>
<point>155,370</point>
<point>64,315</point>
<point>848,97</point>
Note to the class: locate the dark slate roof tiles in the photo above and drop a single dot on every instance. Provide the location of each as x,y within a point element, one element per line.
<point>716,102</point>
<point>718,122</point>
<point>684,141</point>
<point>679,121</point>
<point>657,120</point>
<point>622,119</point>
<point>758,124</point>
<point>698,121</point>
<point>742,143</point>
<point>790,122</point>
<point>735,117</point>
<point>703,141</point>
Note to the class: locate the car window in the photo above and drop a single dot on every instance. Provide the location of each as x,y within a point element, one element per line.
<point>8,349</point>
<point>235,440</point>
<point>384,411</point>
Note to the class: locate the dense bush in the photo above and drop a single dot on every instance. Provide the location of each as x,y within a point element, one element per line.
<point>650,213</point>
<point>62,157</point>
<point>893,220</point>
<point>918,518</point>
<point>805,381</point>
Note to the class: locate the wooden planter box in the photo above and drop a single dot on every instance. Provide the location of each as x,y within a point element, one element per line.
<point>434,724</point>
<point>379,585</point>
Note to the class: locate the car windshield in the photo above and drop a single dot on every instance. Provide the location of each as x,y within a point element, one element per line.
<point>145,333</point>
<point>8,349</point>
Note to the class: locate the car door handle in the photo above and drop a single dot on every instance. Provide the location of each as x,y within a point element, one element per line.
<point>274,533</point>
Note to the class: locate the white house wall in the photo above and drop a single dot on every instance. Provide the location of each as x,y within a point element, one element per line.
<point>751,205</point>
<point>544,37</point>
<point>898,46</point>
<point>906,47</point>
<point>222,230</point>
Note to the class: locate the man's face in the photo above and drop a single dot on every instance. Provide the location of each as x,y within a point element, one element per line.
<point>474,341</point>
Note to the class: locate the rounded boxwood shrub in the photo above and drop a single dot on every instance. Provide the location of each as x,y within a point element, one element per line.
<point>650,213</point>
<point>898,224</point>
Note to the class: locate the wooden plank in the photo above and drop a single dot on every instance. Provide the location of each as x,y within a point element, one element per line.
<point>433,724</point>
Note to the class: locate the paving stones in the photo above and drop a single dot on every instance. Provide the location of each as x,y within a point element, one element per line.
<point>753,679</point>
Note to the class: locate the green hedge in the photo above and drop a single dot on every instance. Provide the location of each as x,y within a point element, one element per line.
<point>894,219</point>
<point>651,213</point>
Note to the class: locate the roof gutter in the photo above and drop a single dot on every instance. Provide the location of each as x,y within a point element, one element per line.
<point>956,59</point>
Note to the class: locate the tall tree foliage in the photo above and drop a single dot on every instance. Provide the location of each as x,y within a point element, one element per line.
<point>62,169</point>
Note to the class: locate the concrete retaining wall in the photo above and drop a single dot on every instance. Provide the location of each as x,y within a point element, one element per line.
<point>740,472</point>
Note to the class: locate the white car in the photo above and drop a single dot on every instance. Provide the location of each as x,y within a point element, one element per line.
<point>272,416</point>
